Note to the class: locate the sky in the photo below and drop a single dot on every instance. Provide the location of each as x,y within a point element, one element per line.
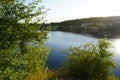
<point>61,10</point>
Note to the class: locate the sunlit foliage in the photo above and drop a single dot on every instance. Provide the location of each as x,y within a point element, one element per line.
<point>22,50</point>
<point>90,61</point>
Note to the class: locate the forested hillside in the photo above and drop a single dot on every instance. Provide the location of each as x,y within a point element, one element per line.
<point>96,26</point>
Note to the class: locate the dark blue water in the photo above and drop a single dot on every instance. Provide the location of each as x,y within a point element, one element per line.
<point>59,41</point>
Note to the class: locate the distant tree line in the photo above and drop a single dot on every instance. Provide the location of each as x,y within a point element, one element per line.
<point>96,26</point>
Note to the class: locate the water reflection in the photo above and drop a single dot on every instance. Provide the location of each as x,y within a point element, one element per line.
<point>116,57</point>
<point>116,44</point>
<point>69,38</point>
<point>62,40</point>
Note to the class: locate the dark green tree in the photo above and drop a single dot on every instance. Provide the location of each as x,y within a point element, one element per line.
<point>22,50</point>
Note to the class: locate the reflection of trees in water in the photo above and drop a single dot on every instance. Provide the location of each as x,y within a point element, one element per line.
<point>99,26</point>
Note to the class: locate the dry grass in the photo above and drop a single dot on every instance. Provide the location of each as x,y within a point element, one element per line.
<point>38,76</point>
<point>49,75</point>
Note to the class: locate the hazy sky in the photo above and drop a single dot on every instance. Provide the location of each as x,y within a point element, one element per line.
<point>61,10</point>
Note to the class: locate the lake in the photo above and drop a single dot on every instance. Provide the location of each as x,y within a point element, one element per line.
<point>59,41</point>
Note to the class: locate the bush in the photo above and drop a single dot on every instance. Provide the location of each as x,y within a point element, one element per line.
<point>90,61</point>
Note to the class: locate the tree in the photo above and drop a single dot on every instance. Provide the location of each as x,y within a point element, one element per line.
<point>92,62</point>
<point>22,47</point>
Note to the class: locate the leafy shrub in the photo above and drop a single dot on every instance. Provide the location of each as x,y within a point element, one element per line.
<point>90,61</point>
